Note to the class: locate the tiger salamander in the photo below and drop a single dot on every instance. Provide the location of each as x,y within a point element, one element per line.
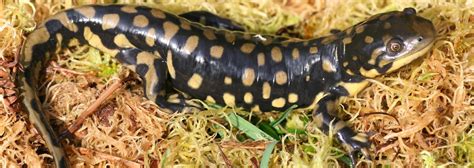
<point>233,68</point>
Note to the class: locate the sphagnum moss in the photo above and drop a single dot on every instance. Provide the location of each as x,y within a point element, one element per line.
<point>428,105</point>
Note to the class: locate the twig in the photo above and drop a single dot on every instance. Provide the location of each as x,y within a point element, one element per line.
<point>65,71</point>
<point>92,108</point>
<point>228,163</point>
<point>93,153</point>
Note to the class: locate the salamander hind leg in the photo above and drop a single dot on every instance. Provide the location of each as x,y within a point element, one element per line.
<point>153,71</point>
<point>324,115</point>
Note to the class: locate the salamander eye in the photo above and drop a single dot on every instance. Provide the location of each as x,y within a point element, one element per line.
<point>394,46</point>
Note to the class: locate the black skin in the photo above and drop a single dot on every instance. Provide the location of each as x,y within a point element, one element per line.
<point>223,23</point>
<point>212,20</point>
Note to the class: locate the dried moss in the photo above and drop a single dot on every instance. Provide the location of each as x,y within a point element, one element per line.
<point>426,108</point>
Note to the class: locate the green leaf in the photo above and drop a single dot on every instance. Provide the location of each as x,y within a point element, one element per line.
<point>265,127</point>
<point>283,116</point>
<point>427,76</point>
<point>346,160</point>
<point>248,128</point>
<point>266,154</point>
<point>309,149</point>
<point>165,156</point>
<point>296,131</point>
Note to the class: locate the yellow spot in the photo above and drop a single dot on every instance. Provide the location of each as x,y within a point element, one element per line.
<point>338,126</point>
<point>62,17</point>
<point>170,30</point>
<point>318,120</point>
<point>210,99</point>
<point>256,108</point>
<point>247,48</point>
<point>307,78</point>
<point>129,9</point>
<point>368,39</point>
<point>140,21</point>
<point>59,37</point>
<point>248,77</point>
<point>227,80</point>
<point>110,21</point>
<point>174,98</point>
<point>313,50</point>
<point>174,101</point>
<point>145,58</point>
<point>266,90</point>
<point>328,66</point>
<point>387,25</point>
<point>185,24</point>
<point>360,29</point>
<point>96,41</point>
<point>354,88</point>
<point>314,106</point>
<point>261,59</point>
<point>369,73</point>
<point>383,62</point>
<point>150,37</point>
<point>347,40</point>
<point>209,34</point>
<point>247,36</point>
<point>384,17</point>
<point>73,42</point>
<point>371,61</point>
<point>191,43</point>
<point>158,14</point>
<point>122,41</point>
<point>195,81</point>
<point>277,56</point>
<point>295,54</point>
<point>354,58</point>
<point>331,107</point>
<point>169,64</point>
<point>292,98</point>
<point>86,11</point>
<point>229,99</point>
<point>248,98</point>
<point>360,137</point>
<point>345,64</point>
<point>376,53</point>
<point>217,51</point>
<point>349,30</point>
<point>281,77</point>
<point>152,79</point>
<point>279,102</point>
<point>349,72</point>
<point>229,36</point>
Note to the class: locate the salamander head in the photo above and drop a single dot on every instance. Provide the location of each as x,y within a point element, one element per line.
<point>386,42</point>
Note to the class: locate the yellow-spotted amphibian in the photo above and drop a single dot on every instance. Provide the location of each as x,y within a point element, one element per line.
<point>233,68</point>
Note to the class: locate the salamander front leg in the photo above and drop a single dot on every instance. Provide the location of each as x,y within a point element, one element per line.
<point>324,115</point>
<point>153,71</point>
